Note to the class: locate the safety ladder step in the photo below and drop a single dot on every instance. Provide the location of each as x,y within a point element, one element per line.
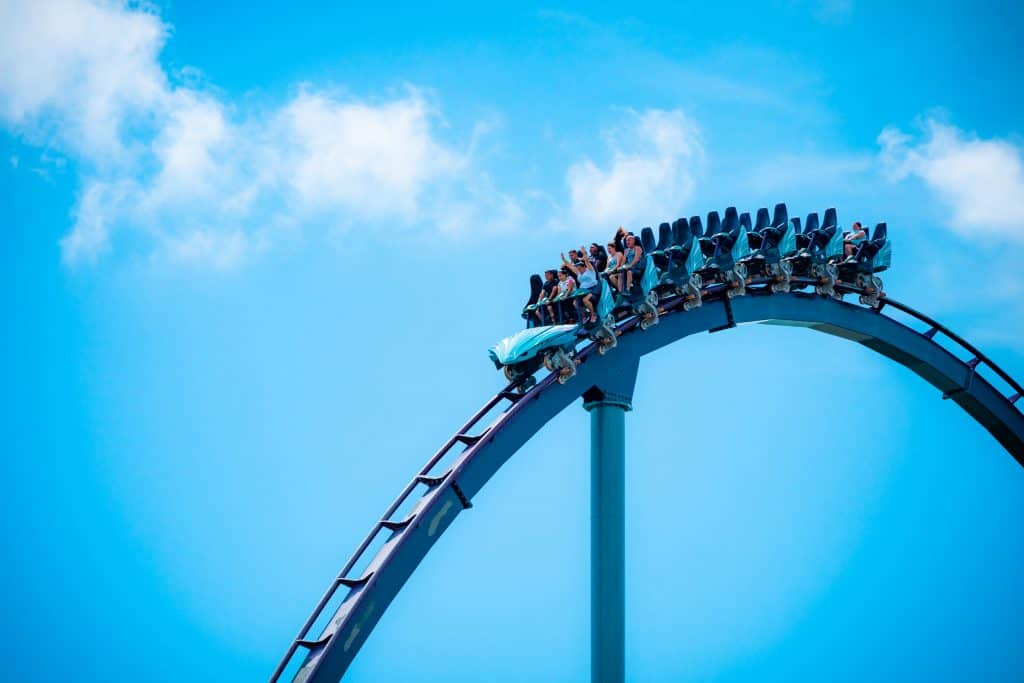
<point>1013,399</point>
<point>433,481</point>
<point>313,644</point>
<point>470,439</point>
<point>354,583</point>
<point>397,525</point>
<point>931,333</point>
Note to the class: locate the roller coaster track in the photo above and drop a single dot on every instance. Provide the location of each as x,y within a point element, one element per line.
<point>451,478</point>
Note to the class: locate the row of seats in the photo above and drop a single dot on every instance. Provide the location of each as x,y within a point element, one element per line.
<point>718,234</point>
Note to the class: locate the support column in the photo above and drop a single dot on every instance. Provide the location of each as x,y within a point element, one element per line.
<point>607,535</point>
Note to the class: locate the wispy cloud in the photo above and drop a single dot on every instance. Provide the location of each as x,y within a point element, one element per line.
<point>205,180</point>
<point>980,180</point>
<point>656,157</point>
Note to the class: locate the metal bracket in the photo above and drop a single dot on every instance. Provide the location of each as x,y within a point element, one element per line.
<point>730,320</point>
<point>466,504</point>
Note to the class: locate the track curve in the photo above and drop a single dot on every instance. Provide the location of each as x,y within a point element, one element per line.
<point>449,489</point>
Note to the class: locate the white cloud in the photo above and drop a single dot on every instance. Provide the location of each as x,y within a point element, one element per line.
<point>207,183</point>
<point>78,71</point>
<point>982,181</point>
<point>370,159</point>
<point>656,158</point>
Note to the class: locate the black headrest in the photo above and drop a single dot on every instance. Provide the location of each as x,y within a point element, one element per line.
<point>696,229</point>
<point>745,221</point>
<point>714,224</point>
<point>881,233</point>
<point>796,223</point>
<point>732,219</point>
<point>680,232</point>
<point>536,284</point>
<point>812,222</point>
<point>762,219</point>
<point>664,237</point>
<point>647,240</point>
<point>830,219</point>
<point>781,215</point>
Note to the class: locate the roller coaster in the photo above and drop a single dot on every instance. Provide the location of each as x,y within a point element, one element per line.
<point>737,271</point>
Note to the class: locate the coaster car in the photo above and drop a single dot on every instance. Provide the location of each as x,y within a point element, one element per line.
<point>522,354</point>
<point>725,244</point>
<point>819,248</point>
<point>640,299</point>
<point>771,241</point>
<point>871,256</point>
<point>677,256</point>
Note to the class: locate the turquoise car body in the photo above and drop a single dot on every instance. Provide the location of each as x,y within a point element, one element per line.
<point>526,344</point>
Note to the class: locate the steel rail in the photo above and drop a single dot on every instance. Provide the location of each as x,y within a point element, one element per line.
<point>329,655</point>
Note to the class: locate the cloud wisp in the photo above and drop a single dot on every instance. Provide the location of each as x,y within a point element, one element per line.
<point>980,180</point>
<point>656,159</point>
<point>205,182</point>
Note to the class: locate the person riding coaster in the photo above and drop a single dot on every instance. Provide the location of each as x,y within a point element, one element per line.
<point>725,244</point>
<point>638,277</point>
<point>819,248</point>
<point>676,256</point>
<point>871,256</point>
<point>553,346</point>
<point>771,242</point>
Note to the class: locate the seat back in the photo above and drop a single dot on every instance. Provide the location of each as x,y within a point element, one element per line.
<point>762,219</point>
<point>731,224</point>
<point>647,240</point>
<point>881,233</point>
<point>536,284</point>
<point>812,222</point>
<point>696,229</point>
<point>795,220</point>
<point>745,221</point>
<point>680,233</point>
<point>714,224</point>
<point>830,219</point>
<point>664,237</point>
<point>781,216</point>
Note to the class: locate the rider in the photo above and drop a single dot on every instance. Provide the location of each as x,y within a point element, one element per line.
<point>547,292</point>
<point>852,239</point>
<point>587,276</point>
<point>633,263</point>
<point>599,257</point>
<point>566,285</point>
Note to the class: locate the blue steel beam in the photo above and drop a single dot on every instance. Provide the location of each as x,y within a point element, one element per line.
<point>607,533</point>
<point>329,654</point>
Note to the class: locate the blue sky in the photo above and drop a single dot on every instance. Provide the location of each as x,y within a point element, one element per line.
<point>256,255</point>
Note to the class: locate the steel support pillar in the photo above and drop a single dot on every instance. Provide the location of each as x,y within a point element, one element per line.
<point>607,535</point>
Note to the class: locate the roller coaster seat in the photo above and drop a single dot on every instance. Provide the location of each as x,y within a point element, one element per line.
<point>870,249</point>
<point>696,227</point>
<point>536,286</point>
<point>680,233</point>
<point>664,238</point>
<point>647,240</point>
